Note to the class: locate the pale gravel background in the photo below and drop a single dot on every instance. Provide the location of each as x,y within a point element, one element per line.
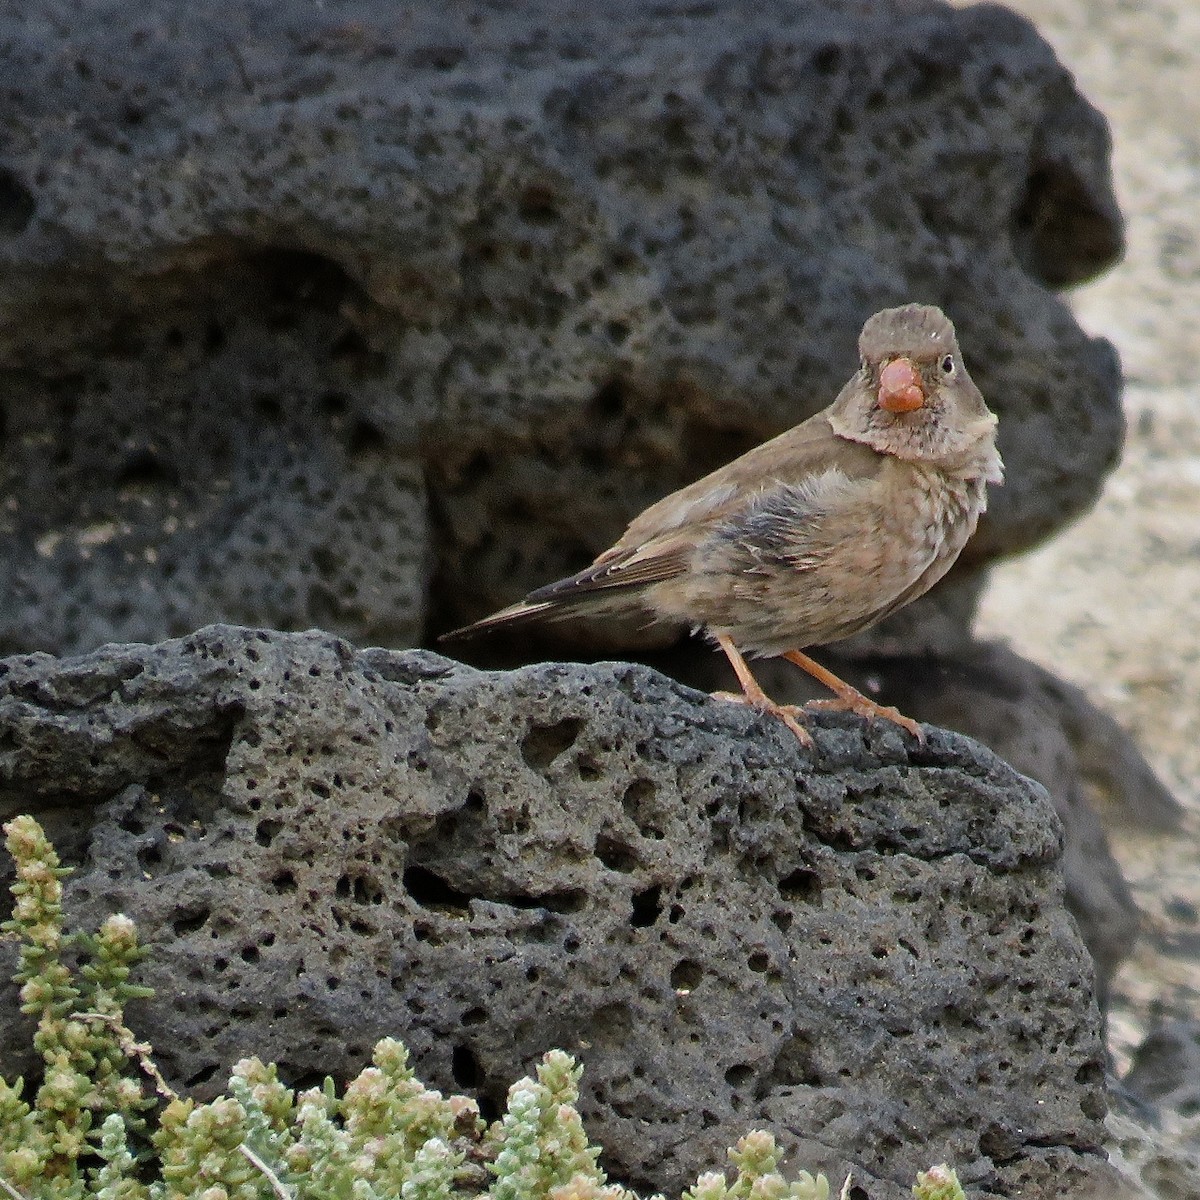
<point>1114,603</point>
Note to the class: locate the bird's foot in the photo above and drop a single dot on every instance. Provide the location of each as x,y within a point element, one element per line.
<point>855,702</point>
<point>850,699</point>
<point>787,713</point>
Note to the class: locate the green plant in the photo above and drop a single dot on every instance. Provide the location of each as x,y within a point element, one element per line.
<point>103,1122</point>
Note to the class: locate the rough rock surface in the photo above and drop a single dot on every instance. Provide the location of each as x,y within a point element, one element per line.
<point>1049,731</point>
<point>863,948</point>
<point>1043,727</point>
<point>312,314</point>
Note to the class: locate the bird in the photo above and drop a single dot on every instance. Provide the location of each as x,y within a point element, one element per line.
<point>816,534</point>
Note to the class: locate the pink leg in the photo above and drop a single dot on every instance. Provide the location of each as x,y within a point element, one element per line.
<point>850,699</point>
<point>753,694</point>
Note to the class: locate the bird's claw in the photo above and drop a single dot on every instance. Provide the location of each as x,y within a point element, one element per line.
<point>864,706</point>
<point>787,713</point>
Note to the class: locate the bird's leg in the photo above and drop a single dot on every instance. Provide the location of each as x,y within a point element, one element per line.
<point>850,699</point>
<point>753,694</point>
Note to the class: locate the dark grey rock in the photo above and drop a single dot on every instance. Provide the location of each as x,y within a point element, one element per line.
<point>1166,1067</point>
<point>314,316</point>
<point>1045,728</point>
<point>1048,730</point>
<point>863,948</point>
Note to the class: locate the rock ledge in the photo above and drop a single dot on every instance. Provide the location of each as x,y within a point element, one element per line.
<point>863,949</point>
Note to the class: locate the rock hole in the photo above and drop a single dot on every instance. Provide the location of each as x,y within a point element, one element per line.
<point>150,856</point>
<point>647,907</point>
<point>998,1142</point>
<point>442,57</point>
<point>794,1064</point>
<point>362,889</point>
<point>365,438</point>
<point>570,900</point>
<point>544,743</point>
<point>144,469</point>
<point>538,204</point>
<point>283,881</point>
<point>190,922</point>
<point>265,831</point>
<point>474,1016</point>
<point>349,344</point>
<point>828,59</point>
<point>758,962</point>
<point>638,797</point>
<point>430,890</point>
<point>1060,236</point>
<point>614,855</point>
<point>686,975</point>
<point>464,1066</point>
<point>739,1075</point>
<point>589,769</point>
<point>201,1076</point>
<point>801,885</point>
<point>303,1081</point>
<point>268,407</point>
<point>17,204</point>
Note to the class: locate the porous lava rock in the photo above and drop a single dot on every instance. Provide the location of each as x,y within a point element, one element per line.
<point>337,315</point>
<point>862,947</point>
<point>1044,727</point>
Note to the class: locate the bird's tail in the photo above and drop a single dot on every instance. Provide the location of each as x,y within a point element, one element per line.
<point>514,614</point>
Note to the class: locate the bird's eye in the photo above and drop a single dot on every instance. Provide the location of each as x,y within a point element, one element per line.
<point>948,365</point>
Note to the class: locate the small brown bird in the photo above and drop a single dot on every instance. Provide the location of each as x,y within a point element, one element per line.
<point>816,534</point>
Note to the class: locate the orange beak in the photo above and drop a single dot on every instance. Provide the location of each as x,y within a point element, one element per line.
<point>900,389</point>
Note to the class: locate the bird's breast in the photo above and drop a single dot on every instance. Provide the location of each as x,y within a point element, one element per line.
<point>935,512</point>
<point>814,566</point>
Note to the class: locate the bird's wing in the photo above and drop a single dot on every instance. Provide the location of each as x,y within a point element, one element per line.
<point>661,542</point>
<point>790,459</point>
<point>651,562</point>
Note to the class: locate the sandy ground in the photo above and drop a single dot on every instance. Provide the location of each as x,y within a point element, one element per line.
<point>1114,603</point>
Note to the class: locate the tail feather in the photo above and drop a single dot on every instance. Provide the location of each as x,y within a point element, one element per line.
<point>593,591</point>
<point>514,614</point>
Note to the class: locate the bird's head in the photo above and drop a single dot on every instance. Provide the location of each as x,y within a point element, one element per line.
<point>912,396</point>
